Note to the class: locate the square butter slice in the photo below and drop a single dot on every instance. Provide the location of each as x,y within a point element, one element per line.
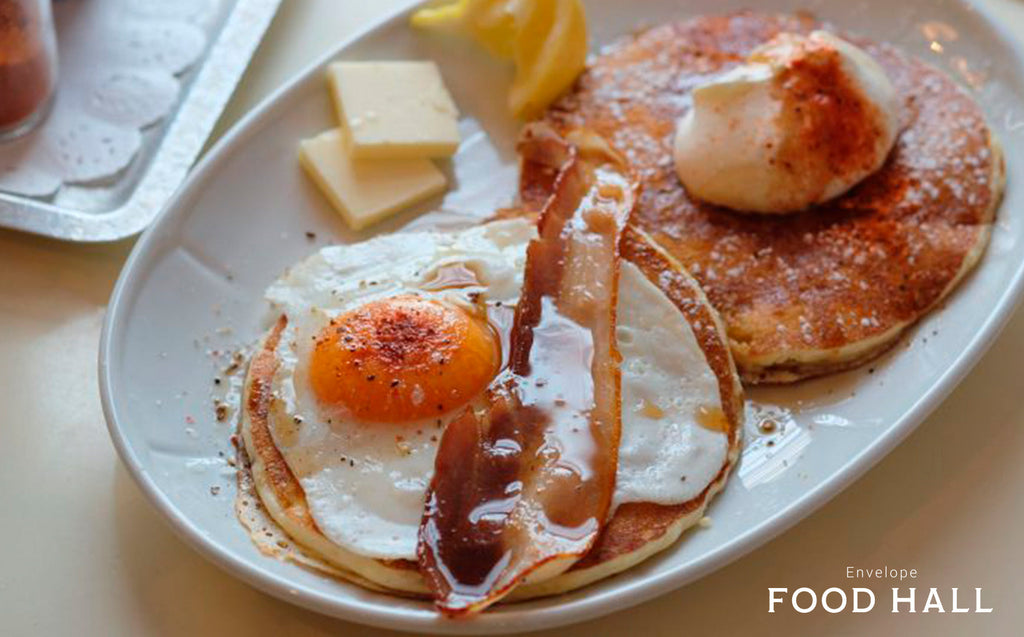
<point>365,191</point>
<point>394,109</point>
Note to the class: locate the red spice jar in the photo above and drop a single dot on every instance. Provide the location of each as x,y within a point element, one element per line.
<point>28,64</point>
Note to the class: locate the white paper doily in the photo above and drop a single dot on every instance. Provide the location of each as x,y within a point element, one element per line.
<point>118,67</point>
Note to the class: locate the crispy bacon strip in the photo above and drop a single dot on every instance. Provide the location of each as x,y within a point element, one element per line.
<point>523,482</point>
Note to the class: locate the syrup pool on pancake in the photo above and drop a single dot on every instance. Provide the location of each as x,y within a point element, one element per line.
<point>363,449</point>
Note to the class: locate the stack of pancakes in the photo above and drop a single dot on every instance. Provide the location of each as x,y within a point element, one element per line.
<point>635,532</point>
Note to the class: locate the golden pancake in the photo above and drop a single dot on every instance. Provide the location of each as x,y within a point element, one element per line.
<point>822,290</point>
<point>635,532</point>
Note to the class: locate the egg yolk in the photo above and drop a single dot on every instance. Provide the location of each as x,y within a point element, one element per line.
<point>401,359</point>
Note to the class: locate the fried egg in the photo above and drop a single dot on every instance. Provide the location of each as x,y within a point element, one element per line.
<point>388,339</point>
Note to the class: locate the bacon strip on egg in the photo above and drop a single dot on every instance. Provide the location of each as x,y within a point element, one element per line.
<point>524,477</point>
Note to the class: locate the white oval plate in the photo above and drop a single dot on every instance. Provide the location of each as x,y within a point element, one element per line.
<point>195,280</point>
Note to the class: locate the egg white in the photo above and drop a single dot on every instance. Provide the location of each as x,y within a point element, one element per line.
<point>665,455</point>
<point>365,483</point>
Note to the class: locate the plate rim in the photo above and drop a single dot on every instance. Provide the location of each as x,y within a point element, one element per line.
<point>524,615</point>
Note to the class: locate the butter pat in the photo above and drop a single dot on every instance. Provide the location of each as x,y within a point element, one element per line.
<point>394,109</point>
<point>365,191</point>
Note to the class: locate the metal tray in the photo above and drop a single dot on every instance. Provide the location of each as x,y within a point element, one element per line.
<point>169,148</point>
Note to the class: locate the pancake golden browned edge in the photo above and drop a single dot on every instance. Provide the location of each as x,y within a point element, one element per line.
<point>635,532</point>
<point>822,290</point>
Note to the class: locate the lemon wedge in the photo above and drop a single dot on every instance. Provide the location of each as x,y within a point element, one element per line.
<point>492,23</point>
<point>545,39</point>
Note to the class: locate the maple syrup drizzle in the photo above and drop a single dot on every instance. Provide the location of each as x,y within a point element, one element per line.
<point>526,477</point>
<point>713,418</point>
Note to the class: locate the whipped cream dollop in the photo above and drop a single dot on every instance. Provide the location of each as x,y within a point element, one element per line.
<point>802,121</point>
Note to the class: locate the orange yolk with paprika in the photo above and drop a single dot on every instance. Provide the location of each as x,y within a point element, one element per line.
<point>402,359</point>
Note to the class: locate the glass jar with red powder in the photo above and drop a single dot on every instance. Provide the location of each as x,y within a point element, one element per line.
<point>28,64</point>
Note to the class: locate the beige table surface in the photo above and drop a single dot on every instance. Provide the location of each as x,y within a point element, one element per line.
<point>84,554</point>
